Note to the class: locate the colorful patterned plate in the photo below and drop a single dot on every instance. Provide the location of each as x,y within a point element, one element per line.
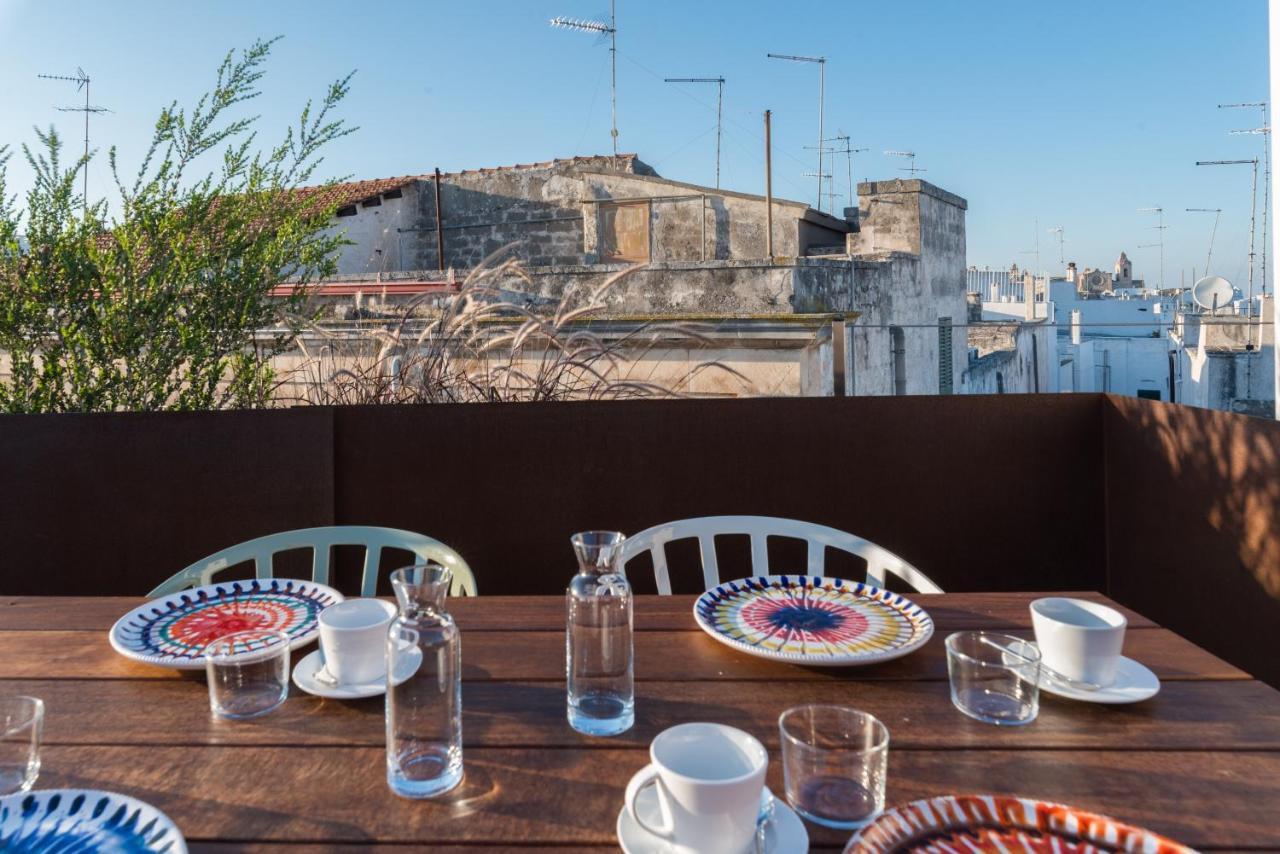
<point>813,620</point>
<point>173,631</point>
<point>85,820</point>
<point>981,823</point>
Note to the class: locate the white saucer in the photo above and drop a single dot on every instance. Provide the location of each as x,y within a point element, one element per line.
<point>1134,683</point>
<point>785,835</point>
<point>304,676</point>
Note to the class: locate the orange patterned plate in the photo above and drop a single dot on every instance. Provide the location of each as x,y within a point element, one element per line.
<point>980,823</point>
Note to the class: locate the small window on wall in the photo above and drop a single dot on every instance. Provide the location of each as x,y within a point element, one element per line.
<point>999,382</point>
<point>349,210</point>
<point>1149,394</point>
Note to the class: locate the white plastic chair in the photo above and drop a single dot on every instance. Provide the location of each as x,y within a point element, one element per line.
<point>880,561</point>
<point>321,541</point>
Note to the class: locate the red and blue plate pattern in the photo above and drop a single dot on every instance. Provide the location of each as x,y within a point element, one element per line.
<point>813,620</point>
<point>174,631</point>
<point>975,824</point>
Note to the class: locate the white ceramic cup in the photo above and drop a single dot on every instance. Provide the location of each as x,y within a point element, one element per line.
<point>1081,640</point>
<point>708,779</point>
<point>353,636</point>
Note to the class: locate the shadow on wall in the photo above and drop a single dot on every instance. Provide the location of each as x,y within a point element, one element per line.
<point>1193,506</point>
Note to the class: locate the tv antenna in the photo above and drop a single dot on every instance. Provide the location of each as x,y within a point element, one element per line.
<point>600,28</point>
<point>1159,212</point>
<point>719,81</point>
<point>1060,231</point>
<point>82,82</point>
<point>1264,131</point>
<point>848,151</point>
<point>1253,214</point>
<point>911,162</point>
<point>829,177</point>
<point>1036,272</point>
<point>821,62</point>
<point>1217,214</point>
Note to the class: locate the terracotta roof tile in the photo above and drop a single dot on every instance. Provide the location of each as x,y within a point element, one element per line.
<point>341,195</point>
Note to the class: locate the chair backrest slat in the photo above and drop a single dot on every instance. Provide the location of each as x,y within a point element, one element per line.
<point>710,568</point>
<point>816,557</point>
<point>880,561</point>
<point>321,541</point>
<point>759,558</point>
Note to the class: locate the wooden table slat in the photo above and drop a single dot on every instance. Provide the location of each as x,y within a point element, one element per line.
<point>950,611</point>
<point>573,796</point>
<point>666,656</point>
<point>1243,715</point>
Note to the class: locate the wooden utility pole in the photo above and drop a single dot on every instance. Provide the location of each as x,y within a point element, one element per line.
<point>768,183</point>
<point>439,227</point>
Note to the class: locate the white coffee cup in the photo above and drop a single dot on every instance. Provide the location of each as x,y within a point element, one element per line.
<point>708,779</point>
<point>1078,639</point>
<point>353,636</point>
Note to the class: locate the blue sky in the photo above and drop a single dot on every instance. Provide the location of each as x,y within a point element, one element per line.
<point>1072,113</point>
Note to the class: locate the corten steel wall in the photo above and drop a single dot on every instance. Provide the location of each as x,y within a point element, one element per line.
<point>100,504</point>
<point>994,493</point>
<point>1193,508</point>
<point>97,504</point>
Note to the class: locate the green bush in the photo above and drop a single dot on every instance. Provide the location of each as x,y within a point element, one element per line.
<point>152,303</point>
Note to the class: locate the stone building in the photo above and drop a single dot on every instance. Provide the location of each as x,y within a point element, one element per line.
<point>897,262</point>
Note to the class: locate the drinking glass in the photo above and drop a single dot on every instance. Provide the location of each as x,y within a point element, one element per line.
<point>834,763</point>
<point>995,678</point>
<point>21,722</point>
<point>248,673</point>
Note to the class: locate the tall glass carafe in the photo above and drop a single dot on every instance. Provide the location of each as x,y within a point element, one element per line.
<point>599,657</point>
<point>424,686</point>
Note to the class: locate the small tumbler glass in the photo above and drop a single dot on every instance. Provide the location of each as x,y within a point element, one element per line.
<point>995,678</point>
<point>248,673</point>
<point>835,761</point>
<point>21,722</point>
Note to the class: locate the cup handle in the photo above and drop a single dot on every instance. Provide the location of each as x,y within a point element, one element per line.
<point>646,776</point>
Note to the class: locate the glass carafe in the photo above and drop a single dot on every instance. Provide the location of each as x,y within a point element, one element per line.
<point>424,686</point>
<point>599,657</point>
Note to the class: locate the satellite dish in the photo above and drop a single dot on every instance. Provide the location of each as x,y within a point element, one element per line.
<point>1213,292</point>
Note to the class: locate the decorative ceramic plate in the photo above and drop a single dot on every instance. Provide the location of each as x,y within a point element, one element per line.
<point>173,631</point>
<point>806,619</point>
<point>980,823</point>
<point>85,820</point>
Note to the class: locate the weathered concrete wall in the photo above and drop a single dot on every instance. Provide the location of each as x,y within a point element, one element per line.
<point>683,216</point>
<point>912,247</point>
<point>1014,359</point>
<point>375,232</point>
<point>484,210</point>
<point>1232,381</point>
<point>679,287</point>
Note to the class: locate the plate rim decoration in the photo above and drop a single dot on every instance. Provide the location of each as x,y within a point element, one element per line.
<point>149,610</point>
<point>887,598</point>
<point>154,817</point>
<point>904,824</point>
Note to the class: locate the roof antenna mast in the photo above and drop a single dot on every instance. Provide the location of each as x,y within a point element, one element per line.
<point>719,109</point>
<point>602,29</point>
<point>822,97</point>
<point>82,82</point>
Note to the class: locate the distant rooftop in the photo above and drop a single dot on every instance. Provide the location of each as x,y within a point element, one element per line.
<point>351,192</point>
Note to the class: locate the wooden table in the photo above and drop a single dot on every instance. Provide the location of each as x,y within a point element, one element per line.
<point>1200,762</point>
